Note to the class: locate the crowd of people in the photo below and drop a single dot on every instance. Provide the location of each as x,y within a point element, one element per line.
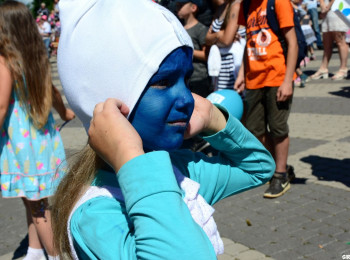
<point>49,26</point>
<point>231,35</point>
<point>138,99</point>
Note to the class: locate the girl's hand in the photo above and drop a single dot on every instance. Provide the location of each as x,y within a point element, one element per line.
<point>239,85</point>
<point>206,118</point>
<point>112,136</point>
<point>67,115</point>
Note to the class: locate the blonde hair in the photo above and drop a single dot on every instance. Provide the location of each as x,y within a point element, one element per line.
<point>25,54</point>
<point>70,189</point>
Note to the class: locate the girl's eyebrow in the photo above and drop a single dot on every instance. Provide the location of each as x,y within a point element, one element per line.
<point>166,73</point>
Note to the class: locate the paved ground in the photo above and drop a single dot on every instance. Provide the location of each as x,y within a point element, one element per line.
<point>311,221</point>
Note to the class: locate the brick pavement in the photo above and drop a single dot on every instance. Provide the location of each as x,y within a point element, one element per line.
<point>311,221</point>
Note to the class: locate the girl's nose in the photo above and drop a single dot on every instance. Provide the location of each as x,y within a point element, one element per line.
<point>185,100</point>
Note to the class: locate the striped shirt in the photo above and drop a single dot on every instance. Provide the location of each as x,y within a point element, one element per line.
<point>226,77</point>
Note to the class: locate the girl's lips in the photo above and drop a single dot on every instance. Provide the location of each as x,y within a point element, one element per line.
<point>182,123</point>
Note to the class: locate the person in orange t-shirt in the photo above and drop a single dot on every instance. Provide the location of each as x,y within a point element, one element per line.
<point>268,77</point>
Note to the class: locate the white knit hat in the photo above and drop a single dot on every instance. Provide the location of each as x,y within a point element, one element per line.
<point>111,48</point>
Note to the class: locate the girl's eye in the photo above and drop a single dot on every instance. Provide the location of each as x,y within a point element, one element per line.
<point>162,84</point>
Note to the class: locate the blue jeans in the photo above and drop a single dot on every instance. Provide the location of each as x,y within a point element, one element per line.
<point>47,45</point>
<point>314,18</point>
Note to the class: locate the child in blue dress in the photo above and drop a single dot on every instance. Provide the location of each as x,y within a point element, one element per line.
<point>133,194</point>
<point>31,148</point>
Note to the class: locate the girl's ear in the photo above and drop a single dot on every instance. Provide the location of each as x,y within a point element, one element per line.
<point>194,8</point>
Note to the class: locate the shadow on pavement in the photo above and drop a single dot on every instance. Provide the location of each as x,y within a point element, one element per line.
<point>344,92</point>
<point>309,72</point>
<point>299,180</point>
<point>21,250</point>
<point>329,169</point>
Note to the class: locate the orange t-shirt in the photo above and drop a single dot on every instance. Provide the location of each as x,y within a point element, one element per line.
<point>265,62</point>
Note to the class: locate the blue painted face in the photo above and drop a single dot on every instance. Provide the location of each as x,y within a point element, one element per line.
<point>163,112</point>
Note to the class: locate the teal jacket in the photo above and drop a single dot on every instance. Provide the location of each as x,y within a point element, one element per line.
<point>154,222</point>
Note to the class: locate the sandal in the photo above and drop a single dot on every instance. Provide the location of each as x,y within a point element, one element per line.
<point>341,74</point>
<point>320,74</point>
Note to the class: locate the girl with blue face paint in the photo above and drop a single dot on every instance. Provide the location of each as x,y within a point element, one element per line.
<point>132,193</point>
<point>164,110</point>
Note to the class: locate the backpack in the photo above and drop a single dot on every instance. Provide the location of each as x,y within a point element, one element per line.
<point>273,23</point>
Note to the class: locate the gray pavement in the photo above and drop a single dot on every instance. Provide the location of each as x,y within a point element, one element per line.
<point>311,221</point>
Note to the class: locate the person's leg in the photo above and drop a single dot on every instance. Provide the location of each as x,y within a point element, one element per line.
<point>327,54</point>
<point>343,48</point>
<point>41,218</point>
<point>277,117</point>
<point>278,147</point>
<point>47,46</point>
<point>35,249</point>
<point>303,78</point>
<point>328,49</point>
<point>33,237</point>
<point>312,52</point>
<point>314,18</point>
<point>281,147</point>
<point>266,140</point>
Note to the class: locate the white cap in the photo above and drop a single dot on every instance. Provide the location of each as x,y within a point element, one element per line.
<point>112,48</point>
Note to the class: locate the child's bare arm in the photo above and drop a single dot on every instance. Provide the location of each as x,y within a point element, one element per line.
<point>228,35</point>
<point>211,37</point>
<point>225,37</point>
<point>239,85</point>
<point>285,91</point>
<point>201,55</point>
<point>5,89</point>
<point>66,114</point>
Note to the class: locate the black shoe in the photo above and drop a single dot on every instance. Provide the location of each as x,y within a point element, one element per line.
<point>290,173</point>
<point>279,184</point>
<point>320,47</point>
